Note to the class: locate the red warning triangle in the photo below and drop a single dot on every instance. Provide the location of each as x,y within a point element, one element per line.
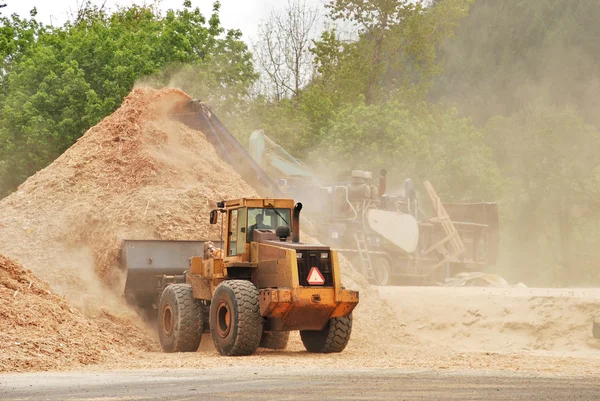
<point>315,277</point>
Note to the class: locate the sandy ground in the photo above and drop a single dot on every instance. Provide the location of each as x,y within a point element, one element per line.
<point>536,321</point>
<point>537,331</point>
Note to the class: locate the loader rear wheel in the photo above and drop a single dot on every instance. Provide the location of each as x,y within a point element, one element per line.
<point>333,338</point>
<point>235,322</point>
<point>274,339</point>
<point>180,319</point>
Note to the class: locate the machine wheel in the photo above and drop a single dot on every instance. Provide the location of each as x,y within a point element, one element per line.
<point>235,321</point>
<point>596,327</point>
<point>180,319</point>
<point>333,338</point>
<point>382,270</point>
<point>274,339</point>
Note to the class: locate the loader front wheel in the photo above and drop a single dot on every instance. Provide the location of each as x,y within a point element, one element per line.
<point>180,319</point>
<point>235,322</point>
<point>274,339</point>
<point>333,338</point>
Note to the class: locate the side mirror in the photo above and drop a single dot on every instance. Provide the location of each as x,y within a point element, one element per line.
<point>221,204</point>
<point>213,217</point>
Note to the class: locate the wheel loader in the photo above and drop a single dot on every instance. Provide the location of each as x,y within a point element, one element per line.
<point>262,284</point>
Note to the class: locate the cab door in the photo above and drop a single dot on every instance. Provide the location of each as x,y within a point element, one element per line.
<point>237,232</point>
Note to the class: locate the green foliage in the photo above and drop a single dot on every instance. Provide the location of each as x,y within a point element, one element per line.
<point>396,48</point>
<point>423,142</point>
<point>57,82</point>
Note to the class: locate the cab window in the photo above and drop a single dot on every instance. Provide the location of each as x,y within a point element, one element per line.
<point>241,233</point>
<point>267,219</point>
<point>233,233</point>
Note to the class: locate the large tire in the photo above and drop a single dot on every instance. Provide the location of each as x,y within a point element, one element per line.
<point>333,338</point>
<point>274,339</point>
<point>382,269</point>
<point>235,322</point>
<point>180,319</point>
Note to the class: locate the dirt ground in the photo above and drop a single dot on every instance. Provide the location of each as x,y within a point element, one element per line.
<point>538,331</point>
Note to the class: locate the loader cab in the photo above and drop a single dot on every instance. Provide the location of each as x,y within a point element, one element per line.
<point>244,216</point>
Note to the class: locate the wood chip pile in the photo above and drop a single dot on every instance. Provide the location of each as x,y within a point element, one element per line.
<point>135,175</point>
<point>41,330</point>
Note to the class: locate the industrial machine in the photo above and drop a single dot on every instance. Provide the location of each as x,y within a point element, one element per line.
<point>388,237</point>
<point>262,284</point>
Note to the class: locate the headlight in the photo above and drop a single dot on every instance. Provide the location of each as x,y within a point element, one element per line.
<point>298,255</point>
<point>324,255</point>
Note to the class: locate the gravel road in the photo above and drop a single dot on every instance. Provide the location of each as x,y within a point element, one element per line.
<point>293,383</point>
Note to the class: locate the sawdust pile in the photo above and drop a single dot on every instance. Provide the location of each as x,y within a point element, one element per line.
<point>41,330</point>
<point>135,175</point>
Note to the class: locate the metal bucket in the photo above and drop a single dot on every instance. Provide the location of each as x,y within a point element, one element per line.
<point>146,261</point>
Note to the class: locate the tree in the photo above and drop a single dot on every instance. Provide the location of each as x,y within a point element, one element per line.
<point>398,42</point>
<point>57,82</point>
<point>282,51</point>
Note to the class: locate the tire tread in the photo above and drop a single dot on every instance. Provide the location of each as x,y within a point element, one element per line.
<point>333,338</point>
<point>188,328</point>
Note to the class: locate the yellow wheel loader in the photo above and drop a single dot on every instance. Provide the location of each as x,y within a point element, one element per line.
<point>262,284</point>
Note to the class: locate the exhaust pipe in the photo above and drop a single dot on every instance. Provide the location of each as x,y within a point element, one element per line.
<point>296,222</point>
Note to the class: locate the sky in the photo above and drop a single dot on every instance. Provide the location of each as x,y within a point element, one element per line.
<point>235,14</point>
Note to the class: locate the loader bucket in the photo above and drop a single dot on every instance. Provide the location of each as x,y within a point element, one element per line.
<point>146,261</point>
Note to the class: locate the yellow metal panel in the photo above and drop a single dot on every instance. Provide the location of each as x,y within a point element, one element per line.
<point>305,308</point>
<point>196,265</point>
<point>349,300</point>
<point>293,263</point>
<point>284,257</point>
<point>234,202</point>
<point>254,203</point>
<point>213,268</point>
<point>337,277</point>
<point>285,203</point>
<point>201,287</point>
<point>254,251</point>
<point>275,303</point>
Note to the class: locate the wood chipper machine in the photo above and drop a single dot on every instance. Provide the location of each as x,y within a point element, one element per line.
<point>262,284</point>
